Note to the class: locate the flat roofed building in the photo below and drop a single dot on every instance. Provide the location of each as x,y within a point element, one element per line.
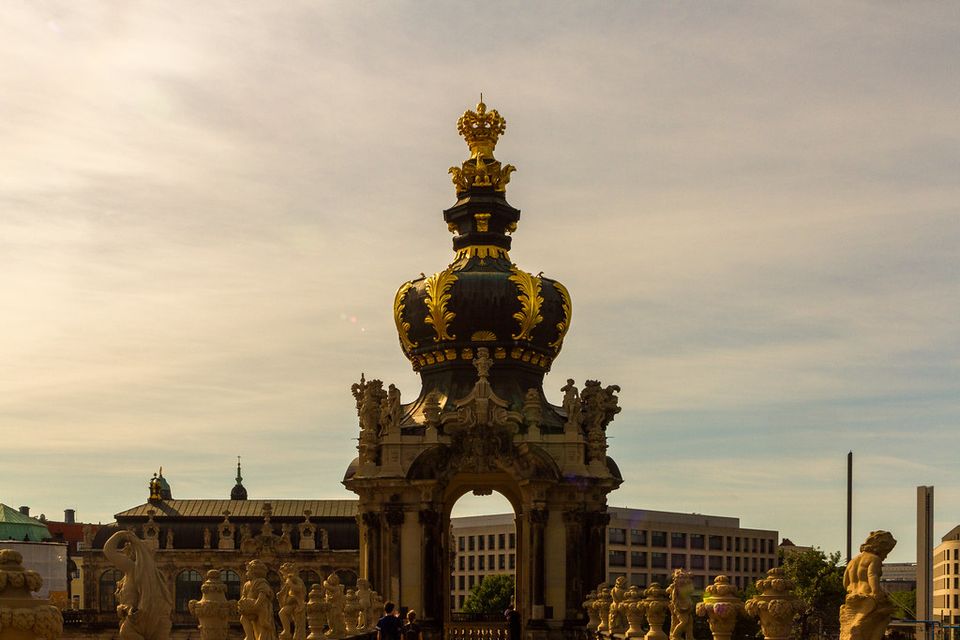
<point>946,581</point>
<point>643,546</point>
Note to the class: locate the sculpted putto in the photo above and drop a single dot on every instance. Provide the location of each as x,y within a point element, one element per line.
<point>256,604</point>
<point>867,610</point>
<point>680,593</point>
<point>143,600</point>
<point>293,599</point>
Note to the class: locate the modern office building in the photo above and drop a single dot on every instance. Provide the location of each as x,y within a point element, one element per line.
<point>946,581</point>
<point>643,546</point>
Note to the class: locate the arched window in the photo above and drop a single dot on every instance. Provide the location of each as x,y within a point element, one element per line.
<point>108,587</point>
<point>232,580</point>
<point>310,578</point>
<point>187,589</point>
<point>347,578</point>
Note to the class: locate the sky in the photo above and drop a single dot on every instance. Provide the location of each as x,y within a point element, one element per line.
<point>206,209</point>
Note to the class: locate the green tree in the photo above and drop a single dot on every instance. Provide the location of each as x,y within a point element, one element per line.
<point>490,595</point>
<point>819,584</point>
<point>906,602</point>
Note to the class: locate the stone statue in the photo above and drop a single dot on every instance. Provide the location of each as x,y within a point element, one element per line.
<point>151,532</point>
<point>365,602</point>
<point>482,363</point>
<point>21,615</point>
<point>351,612</point>
<point>169,544</point>
<point>357,389</point>
<point>307,532</point>
<point>571,404</point>
<point>618,617</point>
<point>284,544</point>
<point>721,607</point>
<point>225,532</point>
<point>431,409</point>
<point>867,610</point>
<point>532,409</point>
<point>390,410</point>
<point>207,537</point>
<point>598,407</point>
<point>256,604</point>
<point>293,600</point>
<point>333,597</point>
<point>324,539</point>
<point>143,600</point>
<point>246,539</point>
<point>680,593</point>
<point>213,611</point>
<point>775,605</point>
<point>373,395</point>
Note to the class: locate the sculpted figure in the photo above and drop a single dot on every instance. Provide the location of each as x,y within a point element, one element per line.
<point>571,404</point>
<point>334,599</point>
<point>293,599</point>
<point>169,538</point>
<point>532,410</point>
<point>373,395</point>
<point>284,545</point>
<point>351,612</point>
<point>618,617</point>
<point>680,593</point>
<point>256,604</point>
<point>207,537</point>
<point>357,389</point>
<point>365,602</point>
<point>390,410</point>
<point>143,600</point>
<point>867,610</point>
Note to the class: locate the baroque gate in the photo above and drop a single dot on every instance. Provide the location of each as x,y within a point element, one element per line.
<point>482,334</point>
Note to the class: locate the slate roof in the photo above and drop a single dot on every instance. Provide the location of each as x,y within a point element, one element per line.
<point>242,509</point>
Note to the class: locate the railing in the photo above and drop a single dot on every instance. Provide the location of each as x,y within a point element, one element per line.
<point>476,627</point>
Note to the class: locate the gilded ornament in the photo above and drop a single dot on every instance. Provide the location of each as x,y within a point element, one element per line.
<point>451,354</point>
<point>482,251</point>
<point>452,227</point>
<point>403,327</point>
<point>511,227</point>
<point>438,295</point>
<point>482,221</point>
<point>466,354</point>
<point>564,325</point>
<point>500,353</point>
<point>481,129</point>
<point>483,336</point>
<point>530,300</point>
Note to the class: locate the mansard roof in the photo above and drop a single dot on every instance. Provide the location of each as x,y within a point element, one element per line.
<point>242,509</point>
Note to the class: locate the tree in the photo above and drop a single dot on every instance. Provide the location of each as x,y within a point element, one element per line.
<point>819,585</point>
<point>490,595</point>
<point>906,602</point>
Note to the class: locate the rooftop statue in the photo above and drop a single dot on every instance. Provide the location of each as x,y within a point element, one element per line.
<point>867,610</point>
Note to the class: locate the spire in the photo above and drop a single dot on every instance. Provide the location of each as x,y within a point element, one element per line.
<point>239,492</point>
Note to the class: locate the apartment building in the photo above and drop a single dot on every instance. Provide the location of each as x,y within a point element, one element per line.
<point>946,580</point>
<point>643,546</point>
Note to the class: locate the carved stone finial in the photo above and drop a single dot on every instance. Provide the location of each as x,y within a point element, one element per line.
<point>867,610</point>
<point>721,607</point>
<point>213,611</point>
<point>22,615</point>
<point>655,606</point>
<point>483,362</point>
<point>775,605</point>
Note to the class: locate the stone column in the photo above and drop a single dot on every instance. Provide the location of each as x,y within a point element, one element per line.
<point>721,607</point>
<point>394,519</point>
<point>573,520</point>
<point>370,530</point>
<point>775,605</point>
<point>433,598</point>
<point>594,552</point>
<point>538,522</point>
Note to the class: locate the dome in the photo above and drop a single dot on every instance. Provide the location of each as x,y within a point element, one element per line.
<point>239,492</point>
<point>482,299</point>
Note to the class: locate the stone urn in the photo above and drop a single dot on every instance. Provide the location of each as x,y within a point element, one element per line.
<point>23,617</point>
<point>213,611</point>
<point>634,612</point>
<point>604,600</point>
<point>593,618</point>
<point>721,607</point>
<point>656,605</point>
<point>775,605</point>
<point>316,613</point>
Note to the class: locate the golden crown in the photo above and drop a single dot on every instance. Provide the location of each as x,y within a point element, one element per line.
<point>481,129</point>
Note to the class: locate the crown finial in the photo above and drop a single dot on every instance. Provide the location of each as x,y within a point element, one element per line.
<point>481,129</point>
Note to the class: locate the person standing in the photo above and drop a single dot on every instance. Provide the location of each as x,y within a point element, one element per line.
<point>411,630</point>
<point>512,617</point>
<point>388,627</point>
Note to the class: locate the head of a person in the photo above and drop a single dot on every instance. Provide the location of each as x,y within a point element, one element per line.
<point>411,616</point>
<point>388,607</point>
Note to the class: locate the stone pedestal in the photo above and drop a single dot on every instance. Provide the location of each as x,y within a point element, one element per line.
<point>23,617</point>
<point>775,605</point>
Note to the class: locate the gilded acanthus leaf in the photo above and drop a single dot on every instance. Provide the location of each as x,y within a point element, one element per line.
<point>564,325</point>
<point>530,301</point>
<point>403,327</point>
<point>438,295</point>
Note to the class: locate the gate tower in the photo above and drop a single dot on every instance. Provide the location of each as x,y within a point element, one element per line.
<point>482,333</point>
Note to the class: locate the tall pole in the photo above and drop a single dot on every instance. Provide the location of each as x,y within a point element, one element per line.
<point>849,505</point>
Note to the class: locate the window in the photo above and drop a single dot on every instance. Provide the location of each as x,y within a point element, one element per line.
<point>639,579</point>
<point>638,559</point>
<point>472,580</point>
<point>696,562</point>
<point>472,563</point>
<point>769,546</point>
<point>658,560</point>
<point>715,563</point>
<point>460,543</point>
<point>108,585</point>
<point>736,564</point>
<point>490,540</point>
<point>232,580</point>
<point>187,588</point>
<point>754,545</point>
<point>678,540</point>
<point>347,578</point>
<point>696,541</point>
<point>617,536</point>
<point>617,558</point>
<point>461,563</point>
<point>309,578</point>
<point>678,561</point>
<point>513,541</point>
<point>461,582</point>
<point>461,602</point>
<point>754,569</point>
<point>512,560</point>
<point>501,540</point>
<point>638,536</point>
<point>729,563</point>
<point>501,561</point>
<point>471,543</point>
<point>715,543</point>
<point>480,541</point>
<point>661,578</point>
<point>737,543</point>
<point>482,558</point>
<point>490,562</point>
<point>729,543</point>
<point>698,583</point>
<point>658,538</point>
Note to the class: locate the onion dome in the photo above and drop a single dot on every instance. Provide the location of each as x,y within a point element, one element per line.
<point>482,299</point>
<point>239,492</point>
